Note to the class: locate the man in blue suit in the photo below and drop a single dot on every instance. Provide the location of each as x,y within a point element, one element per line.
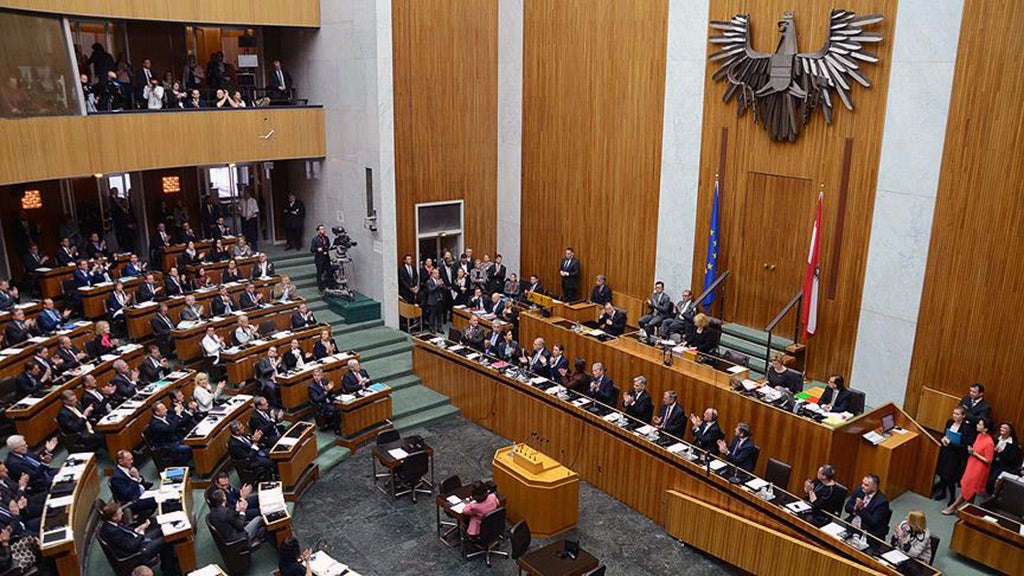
<point>124,541</point>
<point>21,461</point>
<point>868,508</point>
<point>671,416</point>
<point>741,451</point>
<point>602,388</point>
<point>50,318</point>
<point>127,485</point>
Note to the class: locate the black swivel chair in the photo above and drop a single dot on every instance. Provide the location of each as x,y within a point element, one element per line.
<point>856,405</point>
<point>520,538</point>
<point>935,548</point>
<point>492,534</point>
<point>757,455</point>
<point>388,436</point>
<point>267,327</point>
<point>237,555</point>
<point>122,565</point>
<point>410,476</point>
<point>159,455</point>
<point>70,290</point>
<point>448,486</point>
<point>778,473</point>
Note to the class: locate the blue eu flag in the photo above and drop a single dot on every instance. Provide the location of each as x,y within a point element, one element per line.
<point>714,242</point>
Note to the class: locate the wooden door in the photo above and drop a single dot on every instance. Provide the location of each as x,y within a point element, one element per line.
<point>776,215</point>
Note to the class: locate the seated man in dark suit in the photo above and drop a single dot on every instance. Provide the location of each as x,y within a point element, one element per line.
<point>231,523</point>
<point>75,424</point>
<point>638,402</point>
<point>601,294</point>
<point>295,357</point>
<point>125,381</point>
<point>473,334</point>
<point>706,432</point>
<point>164,434</point>
<point>302,318</point>
<point>321,398</point>
<point>30,380</point>
<point>612,320</point>
<point>262,268</point>
<point>222,304</point>
<point>671,416</point>
<point>124,541</point>
<point>24,511</point>
<point>602,388</point>
<point>533,285</point>
<point>266,421</point>
<point>836,397</point>
<point>741,451</point>
<point>19,329</point>
<point>127,485</point>
<point>21,461</point>
<point>49,318</point>
<point>100,401</point>
<point>173,286</point>
<point>67,253</point>
<point>659,306</point>
<point>536,361</point>
<point>8,295</point>
<point>134,267</point>
<point>266,372</point>
<point>868,508</point>
<point>82,277</point>
<point>153,367</point>
<point>161,326</point>
<point>356,379</point>
<point>250,299</point>
<point>69,354</point>
<point>222,482</point>
<point>976,405</point>
<point>245,448</point>
<point>148,290</point>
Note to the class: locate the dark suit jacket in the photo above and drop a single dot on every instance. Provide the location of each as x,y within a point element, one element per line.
<point>976,412</point>
<point>320,351</point>
<point>601,294</point>
<point>145,293</point>
<point>125,387</point>
<point>70,423</point>
<point>349,384</point>
<point>123,540</point>
<point>49,320</point>
<point>247,301</point>
<point>220,307</point>
<point>742,456</point>
<point>407,281</point>
<point>605,391</point>
<point>161,327</point>
<point>540,366</point>
<point>676,422</point>
<point>473,337</point>
<point>70,357</point>
<point>573,268</point>
<point>840,402</point>
<point>162,434</point>
<point>63,258</point>
<point>255,272</point>
<point>149,372</point>
<point>300,321</point>
<point>100,405</point>
<point>259,421</point>
<point>706,437</point>
<point>618,325</point>
<point>317,395</point>
<point>435,292</point>
<point>239,450</point>
<point>114,305</point>
<point>40,475</point>
<point>172,287</point>
<point>228,523</point>
<point>27,384</point>
<point>16,333</point>
<point>642,408</point>
<point>82,279</point>
<point>554,365</point>
<point>188,313</point>
<point>265,371</point>
<point>124,488</point>
<point>32,261</point>
<point>874,518</point>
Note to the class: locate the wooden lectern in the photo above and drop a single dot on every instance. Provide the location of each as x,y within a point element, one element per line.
<point>538,489</point>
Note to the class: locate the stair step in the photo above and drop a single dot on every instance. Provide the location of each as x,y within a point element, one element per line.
<point>415,399</point>
<point>358,327</point>
<point>743,346</point>
<point>389,368</point>
<point>384,351</point>
<point>366,340</point>
<point>756,336</point>
<point>425,417</point>
<point>402,382</point>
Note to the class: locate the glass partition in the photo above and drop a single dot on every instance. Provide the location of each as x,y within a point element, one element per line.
<point>36,76</point>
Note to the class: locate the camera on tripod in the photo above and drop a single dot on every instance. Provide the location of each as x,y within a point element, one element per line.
<point>339,258</point>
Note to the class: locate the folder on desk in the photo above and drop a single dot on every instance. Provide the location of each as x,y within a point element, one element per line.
<point>834,530</point>
<point>895,557</point>
<point>798,507</point>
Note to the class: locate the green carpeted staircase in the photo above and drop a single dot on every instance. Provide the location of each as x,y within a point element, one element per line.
<point>753,343</point>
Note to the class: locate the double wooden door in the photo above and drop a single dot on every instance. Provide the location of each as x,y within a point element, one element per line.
<point>775,215</point>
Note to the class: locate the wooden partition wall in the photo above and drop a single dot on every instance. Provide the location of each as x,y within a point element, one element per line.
<point>34,149</point>
<point>971,321</point>
<point>242,12</point>
<point>768,189</point>
<point>593,97</point>
<point>446,114</point>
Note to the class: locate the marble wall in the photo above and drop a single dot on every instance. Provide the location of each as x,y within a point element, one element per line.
<point>924,57</point>
<point>510,129</point>
<point>346,67</point>
<point>680,148</point>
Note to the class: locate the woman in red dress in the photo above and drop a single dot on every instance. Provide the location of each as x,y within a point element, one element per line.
<point>979,461</point>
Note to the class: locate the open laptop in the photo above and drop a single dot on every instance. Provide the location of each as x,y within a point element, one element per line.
<point>888,423</point>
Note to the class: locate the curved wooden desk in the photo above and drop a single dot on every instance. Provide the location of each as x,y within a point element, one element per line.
<point>538,489</point>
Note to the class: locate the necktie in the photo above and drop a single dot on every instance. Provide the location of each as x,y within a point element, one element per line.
<point>668,412</point>
<point>280,78</point>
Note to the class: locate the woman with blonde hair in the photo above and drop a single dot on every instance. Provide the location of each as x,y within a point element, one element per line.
<point>913,538</point>
<point>205,394</point>
<point>703,337</point>
<point>103,343</point>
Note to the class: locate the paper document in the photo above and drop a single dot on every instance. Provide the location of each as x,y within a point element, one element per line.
<point>736,369</point>
<point>38,339</point>
<point>798,506</point>
<point>398,453</point>
<point>287,442</point>
<point>323,565</point>
<point>61,501</point>
<point>717,465</point>
<point>581,402</point>
<point>749,385</point>
<point>458,508</point>
<point>453,499</point>
<point>538,380</point>
<point>756,484</point>
<point>644,430</point>
<point>834,530</point>
<point>473,356</point>
<point>272,500</point>
<point>613,417</point>
<point>895,557</point>
<point>208,570</point>
<point>678,448</point>
<point>30,401</point>
<point>555,390</point>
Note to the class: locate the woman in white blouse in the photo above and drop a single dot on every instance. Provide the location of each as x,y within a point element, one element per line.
<point>204,393</point>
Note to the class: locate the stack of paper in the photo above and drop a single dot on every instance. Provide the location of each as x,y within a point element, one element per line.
<point>323,565</point>
<point>834,530</point>
<point>286,442</point>
<point>272,500</point>
<point>458,508</point>
<point>644,430</point>
<point>173,522</point>
<point>581,402</point>
<point>895,557</point>
<point>678,448</point>
<point>717,465</point>
<point>453,499</point>
<point>756,484</point>
<point>398,453</point>
<point>798,507</point>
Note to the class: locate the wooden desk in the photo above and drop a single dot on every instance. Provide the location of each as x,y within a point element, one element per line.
<point>382,455</point>
<point>441,504</point>
<point>30,307</point>
<point>362,417</point>
<point>169,255</point>
<point>547,561</point>
<point>461,316</point>
<point>63,527</point>
<point>241,361</point>
<point>276,518</point>
<point>188,341</point>
<point>122,428</point>
<point>934,408</point>
<point>94,298</point>
<point>629,467</point>
<point>539,490</point>
<point>799,441</point>
<point>50,278</point>
<point>987,537</point>
<point>35,418</point>
<point>294,384</point>
<point>138,316</point>
<point>295,454</point>
<point>209,439</point>
<point>174,516</point>
<point>13,359</point>
<point>215,270</point>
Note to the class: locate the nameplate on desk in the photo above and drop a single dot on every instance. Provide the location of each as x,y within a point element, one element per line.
<point>797,507</point>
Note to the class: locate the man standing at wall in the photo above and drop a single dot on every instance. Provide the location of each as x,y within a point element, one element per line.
<point>251,218</point>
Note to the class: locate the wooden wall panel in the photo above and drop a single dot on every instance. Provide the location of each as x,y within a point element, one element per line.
<point>69,146</point>
<point>593,101</point>
<point>305,13</point>
<point>971,321</point>
<point>817,155</point>
<point>446,114</point>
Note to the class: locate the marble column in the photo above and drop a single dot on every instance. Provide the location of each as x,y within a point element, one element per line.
<point>510,129</point>
<point>681,138</point>
<point>920,85</point>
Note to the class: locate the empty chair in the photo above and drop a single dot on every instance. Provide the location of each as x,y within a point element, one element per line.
<point>856,404</point>
<point>267,327</point>
<point>1008,500</point>
<point>448,486</point>
<point>237,555</point>
<point>492,534</point>
<point>388,436</point>
<point>410,476</point>
<point>736,358</point>
<point>935,548</point>
<point>520,539</point>
<point>778,473</point>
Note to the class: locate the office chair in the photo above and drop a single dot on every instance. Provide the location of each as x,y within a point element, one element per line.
<point>757,456</point>
<point>520,538</point>
<point>237,555</point>
<point>492,533</point>
<point>448,486</point>
<point>599,571</point>
<point>410,476</point>
<point>778,473</point>
<point>388,436</point>
<point>856,405</point>
<point>267,327</point>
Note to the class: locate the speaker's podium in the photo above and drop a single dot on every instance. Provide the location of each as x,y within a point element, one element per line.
<point>538,489</point>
